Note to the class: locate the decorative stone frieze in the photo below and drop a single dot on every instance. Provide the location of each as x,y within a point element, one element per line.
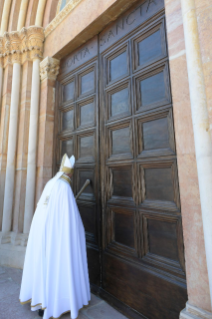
<point>61,16</point>
<point>49,68</point>
<point>19,46</point>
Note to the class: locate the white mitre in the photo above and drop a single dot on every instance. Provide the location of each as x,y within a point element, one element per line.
<point>67,164</point>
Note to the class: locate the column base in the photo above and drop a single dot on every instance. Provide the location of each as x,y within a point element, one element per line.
<point>192,312</point>
<point>16,239</point>
<point>12,256</point>
<point>5,237</point>
<point>12,249</point>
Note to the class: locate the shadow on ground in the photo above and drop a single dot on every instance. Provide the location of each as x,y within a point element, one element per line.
<point>10,308</point>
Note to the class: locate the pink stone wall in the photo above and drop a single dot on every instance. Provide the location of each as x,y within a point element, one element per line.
<point>94,16</point>
<point>196,269</point>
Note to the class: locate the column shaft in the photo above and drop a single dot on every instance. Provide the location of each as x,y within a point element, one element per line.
<point>5,16</point>
<point>22,14</point>
<point>12,142</point>
<point>1,85</point>
<point>202,138</point>
<point>40,12</point>
<point>32,146</point>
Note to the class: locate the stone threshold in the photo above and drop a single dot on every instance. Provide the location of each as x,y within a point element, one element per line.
<point>192,312</point>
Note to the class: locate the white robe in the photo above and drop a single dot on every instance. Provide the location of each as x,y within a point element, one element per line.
<point>55,274</point>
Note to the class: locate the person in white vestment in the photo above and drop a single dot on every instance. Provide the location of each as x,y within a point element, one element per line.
<point>55,275</point>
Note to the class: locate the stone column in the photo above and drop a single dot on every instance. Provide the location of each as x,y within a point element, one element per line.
<point>15,44</point>
<point>22,14</point>
<point>49,69</point>
<point>5,16</point>
<point>202,137</point>
<point>4,127</point>
<point>36,35</point>
<point>22,147</point>
<point>40,12</point>
<point>1,69</point>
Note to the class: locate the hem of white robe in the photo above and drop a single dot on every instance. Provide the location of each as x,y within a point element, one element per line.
<point>38,306</point>
<point>33,308</point>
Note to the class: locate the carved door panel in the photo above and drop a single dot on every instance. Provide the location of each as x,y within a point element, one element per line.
<point>78,135</point>
<point>143,259</point>
<point>115,115</point>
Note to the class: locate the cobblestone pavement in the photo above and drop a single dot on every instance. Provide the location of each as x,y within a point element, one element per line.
<point>10,308</point>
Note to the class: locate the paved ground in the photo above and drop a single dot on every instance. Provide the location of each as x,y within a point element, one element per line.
<point>10,308</point>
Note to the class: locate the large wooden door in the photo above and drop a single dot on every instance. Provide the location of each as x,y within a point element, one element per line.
<point>143,259</point>
<point>115,115</point>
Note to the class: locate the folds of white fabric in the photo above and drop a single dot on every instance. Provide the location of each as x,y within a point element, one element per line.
<point>55,275</point>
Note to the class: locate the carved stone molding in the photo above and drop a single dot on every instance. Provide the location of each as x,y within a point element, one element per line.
<point>61,16</point>
<point>19,46</point>
<point>49,68</point>
<point>192,312</point>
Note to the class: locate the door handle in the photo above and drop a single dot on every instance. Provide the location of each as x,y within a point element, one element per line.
<point>87,182</point>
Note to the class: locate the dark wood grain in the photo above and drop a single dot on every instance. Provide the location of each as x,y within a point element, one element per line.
<point>87,114</point>
<point>122,181</point>
<point>87,82</point>
<point>68,92</point>
<point>162,238</point>
<point>158,182</point>
<point>118,122</point>
<point>155,134</point>
<point>118,66</point>
<point>124,229</point>
<point>68,120</point>
<point>67,147</point>
<point>119,102</point>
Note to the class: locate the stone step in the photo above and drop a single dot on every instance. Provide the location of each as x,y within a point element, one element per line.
<point>187,315</point>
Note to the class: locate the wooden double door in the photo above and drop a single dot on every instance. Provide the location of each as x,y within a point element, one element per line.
<point>114,113</point>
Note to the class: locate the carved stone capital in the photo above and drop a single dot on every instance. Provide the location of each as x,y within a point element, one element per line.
<point>15,46</point>
<point>35,41</point>
<point>49,68</point>
<point>20,46</point>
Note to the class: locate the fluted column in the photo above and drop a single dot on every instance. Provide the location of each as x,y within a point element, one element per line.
<point>37,36</point>
<point>14,41</point>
